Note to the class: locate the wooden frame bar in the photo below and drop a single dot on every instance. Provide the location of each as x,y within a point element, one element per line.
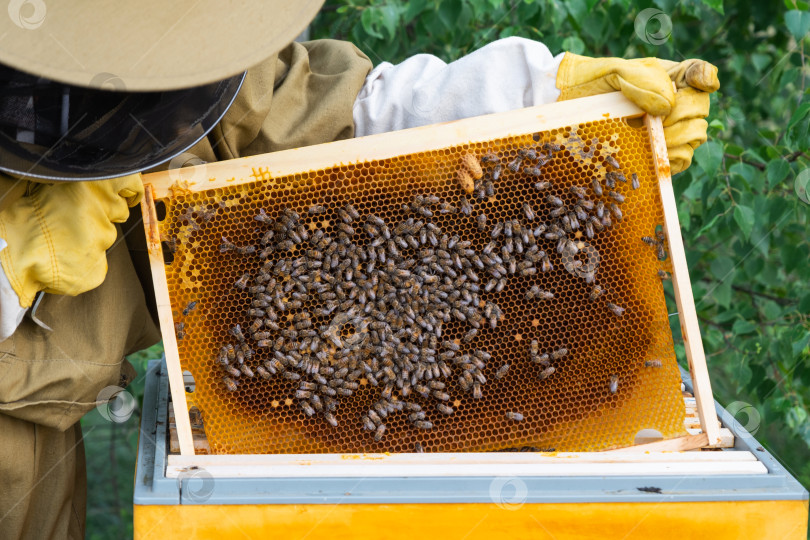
<point>268,167</point>
<point>467,464</point>
<point>164,308</point>
<point>683,286</point>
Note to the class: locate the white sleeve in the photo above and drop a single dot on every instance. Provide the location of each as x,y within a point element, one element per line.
<point>11,314</point>
<point>507,74</point>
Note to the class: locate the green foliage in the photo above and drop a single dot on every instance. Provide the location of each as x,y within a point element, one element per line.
<point>111,450</point>
<point>744,223</point>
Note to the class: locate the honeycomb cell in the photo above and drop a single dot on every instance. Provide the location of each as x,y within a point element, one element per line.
<point>366,280</point>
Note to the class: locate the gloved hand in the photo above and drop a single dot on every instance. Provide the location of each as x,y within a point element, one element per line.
<point>647,82</point>
<point>58,234</point>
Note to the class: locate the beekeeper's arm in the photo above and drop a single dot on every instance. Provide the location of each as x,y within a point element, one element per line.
<point>514,72</point>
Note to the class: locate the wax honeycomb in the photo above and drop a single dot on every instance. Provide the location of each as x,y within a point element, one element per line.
<point>618,373</point>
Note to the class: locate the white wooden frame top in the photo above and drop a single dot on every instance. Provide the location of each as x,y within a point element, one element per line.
<point>468,464</point>
<point>274,165</point>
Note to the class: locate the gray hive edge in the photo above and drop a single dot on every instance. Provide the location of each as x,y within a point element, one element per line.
<point>153,488</point>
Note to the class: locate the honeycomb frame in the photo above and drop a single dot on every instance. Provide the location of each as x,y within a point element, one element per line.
<point>185,188</point>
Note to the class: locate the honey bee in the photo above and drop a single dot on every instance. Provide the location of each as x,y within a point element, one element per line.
<point>423,424</point>
<point>541,186</point>
<point>233,371</point>
<point>470,335</point>
<point>597,186</point>
<point>190,307</point>
<point>379,432</point>
<point>551,148</point>
<point>546,373</point>
<point>596,292</point>
<point>614,384</point>
<point>417,448</point>
<point>444,409</point>
<point>559,353</point>
<point>489,188</point>
<point>489,157</point>
<point>616,211</point>
<point>534,348</point>
<point>306,407</point>
<point>262,217</point>
<point>650,241</point>
<point>502,371</point>
<point>664,275</point>
<point>579,191</point>
<point>589,232</point>
<point>330,418</point>
<point>661,252</point>
<point>556,201</point>
<point>514,165</point>
<point>533,171</point>
<point>616,310</point>
<point>653,363</point>
<point>230,384</point>
<point>482,221</point>
<point>610,160</point>
<point>246,370</point>
<point>527,210</point>
<point>514,416</point>
<point>618,197</point>
<point>477,393</point>
<point>179,329</point>
<point>635,182</point>
<point>496,172</point>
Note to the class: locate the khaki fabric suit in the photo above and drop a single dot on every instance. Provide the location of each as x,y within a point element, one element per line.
<point>49,380</point>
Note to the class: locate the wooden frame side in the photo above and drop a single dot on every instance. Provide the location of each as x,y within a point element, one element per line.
<point>164,308</point>
<point>407,141</point>
<point>683,286</point>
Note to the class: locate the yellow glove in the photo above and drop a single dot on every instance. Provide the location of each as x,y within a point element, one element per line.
<point>647,82</point>
<point>58,234</point>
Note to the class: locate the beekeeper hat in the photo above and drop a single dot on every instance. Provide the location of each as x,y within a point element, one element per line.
<point>93,89</point>
<point>148,45</point>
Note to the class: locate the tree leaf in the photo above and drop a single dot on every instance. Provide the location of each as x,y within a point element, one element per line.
<point>744,217</point>
<point>573,44</point>
<point>709,156</point>
<point>369,22</point>
<point>716,5</point>
<point>743,327</point>
<point>776,171</point>
<point>798,23</point>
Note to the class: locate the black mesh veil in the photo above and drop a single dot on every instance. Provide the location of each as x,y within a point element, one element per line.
<point>54,131</point>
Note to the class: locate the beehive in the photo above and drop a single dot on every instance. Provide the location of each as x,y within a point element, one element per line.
<point>618,376</point>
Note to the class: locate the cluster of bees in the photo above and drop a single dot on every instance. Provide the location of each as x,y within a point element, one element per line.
<point>368,301</point>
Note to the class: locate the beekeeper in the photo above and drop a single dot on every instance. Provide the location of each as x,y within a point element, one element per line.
<point>91,93</point>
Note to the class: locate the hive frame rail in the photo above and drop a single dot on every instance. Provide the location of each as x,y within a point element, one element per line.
<point>203,177</point>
